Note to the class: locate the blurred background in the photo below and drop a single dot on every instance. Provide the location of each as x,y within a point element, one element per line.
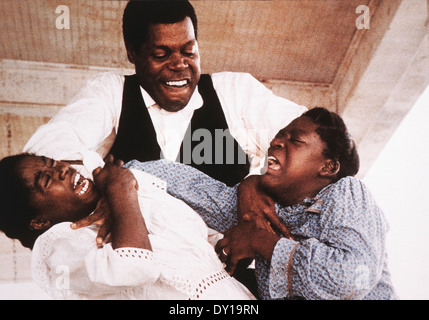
<point>365,59</point>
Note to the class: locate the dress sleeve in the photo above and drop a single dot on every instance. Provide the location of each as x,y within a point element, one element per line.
<point>253,113</point>
<point>68,264</point>
<point>79,130</point>
<point>346,261</point>
<point>213,200</point>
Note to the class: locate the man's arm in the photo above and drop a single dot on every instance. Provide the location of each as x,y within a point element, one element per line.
<point>78,129</point>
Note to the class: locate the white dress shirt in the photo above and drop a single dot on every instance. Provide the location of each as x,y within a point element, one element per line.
<point>67,263</point>
<point>85,128</point>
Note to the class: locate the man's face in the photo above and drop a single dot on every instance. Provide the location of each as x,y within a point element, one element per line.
<point>168,64</point>
<point>58,192</point>
<point>295,157</point>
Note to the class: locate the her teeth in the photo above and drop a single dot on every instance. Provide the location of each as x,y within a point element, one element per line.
<point>272,159</point>
<point>76,180</point>
<point>84,188</point>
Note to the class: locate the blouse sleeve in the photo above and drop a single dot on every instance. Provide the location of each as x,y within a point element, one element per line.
<point>214,201</point>
<point>67,263</point>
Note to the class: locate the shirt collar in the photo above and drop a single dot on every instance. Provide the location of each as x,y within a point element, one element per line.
<point>194,103</point>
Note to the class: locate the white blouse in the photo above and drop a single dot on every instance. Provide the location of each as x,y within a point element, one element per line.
<point>67,263</point>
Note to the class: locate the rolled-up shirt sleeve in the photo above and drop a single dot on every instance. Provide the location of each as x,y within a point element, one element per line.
<point>84,129</point>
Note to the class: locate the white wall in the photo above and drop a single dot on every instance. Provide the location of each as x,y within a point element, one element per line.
<point>399,180</point>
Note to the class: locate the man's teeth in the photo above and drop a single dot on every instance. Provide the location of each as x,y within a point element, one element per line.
<point>180,83</point>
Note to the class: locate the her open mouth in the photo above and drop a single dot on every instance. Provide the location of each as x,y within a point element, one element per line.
<point>273,163</point>
<point>80,185</point>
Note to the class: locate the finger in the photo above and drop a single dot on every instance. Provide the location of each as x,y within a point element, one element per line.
<point>278,224</point>
<point>119,163</point>
<point>223,257</point>
<point>267,226</point>
<point>102,234</point>
<point>109,157</point>
<point>260,220</point>
<point>96,171</point>
<point>249,215</point>
<point>222,243</point>
<point>232,264</point>
<point>87,221</point>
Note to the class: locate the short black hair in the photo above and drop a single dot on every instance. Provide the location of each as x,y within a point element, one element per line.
<point>138,15</point>
<point>15,210</point>
<point>339,143</point>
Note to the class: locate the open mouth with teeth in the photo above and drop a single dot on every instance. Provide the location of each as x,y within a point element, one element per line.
<point>273,163</point>
<point>177,83</point>
<point>80,185</point>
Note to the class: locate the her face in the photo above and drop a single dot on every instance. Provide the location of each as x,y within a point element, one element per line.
<point>58,192</point>
<point>295,158</point>
<point>168,64</point>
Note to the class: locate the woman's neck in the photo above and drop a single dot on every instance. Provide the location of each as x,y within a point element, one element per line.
<point>297,195</point>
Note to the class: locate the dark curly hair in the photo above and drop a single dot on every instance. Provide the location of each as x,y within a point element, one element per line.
<point>339,144</point>
<point>15,211</point>
<point>138,15</point>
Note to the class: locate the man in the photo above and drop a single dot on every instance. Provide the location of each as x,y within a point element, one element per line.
<point>167,109</point>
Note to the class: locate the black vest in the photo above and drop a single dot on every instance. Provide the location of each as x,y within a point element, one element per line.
<point>207,146</point>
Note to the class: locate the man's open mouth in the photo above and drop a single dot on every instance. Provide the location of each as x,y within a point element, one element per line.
<point>177,83</point>
<point>80,185</point>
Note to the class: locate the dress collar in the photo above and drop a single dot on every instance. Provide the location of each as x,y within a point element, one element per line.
<point>316,204</point>
<point>310,205</point>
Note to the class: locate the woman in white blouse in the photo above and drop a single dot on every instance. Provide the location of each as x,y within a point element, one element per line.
<point>158,246</point>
